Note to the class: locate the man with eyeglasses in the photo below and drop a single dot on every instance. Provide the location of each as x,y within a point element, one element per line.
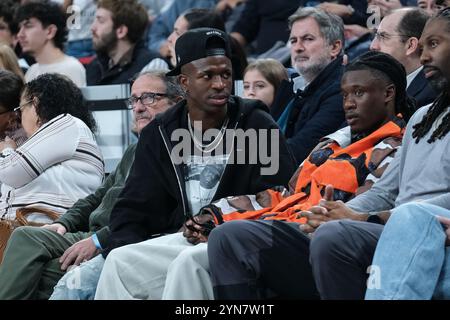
<point>146,99</point>
<point>398,35</point>
<point>46,253</point>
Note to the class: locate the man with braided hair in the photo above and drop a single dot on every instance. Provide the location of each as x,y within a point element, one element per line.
<point>341,251</point>
<point>249,259</point>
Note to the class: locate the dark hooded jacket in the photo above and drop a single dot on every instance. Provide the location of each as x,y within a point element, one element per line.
<point>154,199</point>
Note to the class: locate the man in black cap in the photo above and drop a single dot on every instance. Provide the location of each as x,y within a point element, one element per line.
<point>163,190</point>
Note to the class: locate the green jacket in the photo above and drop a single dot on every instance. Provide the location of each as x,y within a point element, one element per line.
<point>91,214</point>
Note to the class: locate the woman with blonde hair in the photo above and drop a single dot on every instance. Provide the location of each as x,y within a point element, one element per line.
<point>262,79</point>
<point>8,60</point>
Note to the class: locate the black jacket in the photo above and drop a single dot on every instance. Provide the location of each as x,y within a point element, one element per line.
<point>98,72</point>
<point>154,198</point>
<point>266,22</point>
<point>317,111</point>
<point>421,91</point>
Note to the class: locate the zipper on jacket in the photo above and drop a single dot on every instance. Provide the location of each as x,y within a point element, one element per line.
<point>228,158</point>
<point>175,169</point>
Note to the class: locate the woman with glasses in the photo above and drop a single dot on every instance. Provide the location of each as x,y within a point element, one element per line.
<point>11,86</point>
<point>60,161</point>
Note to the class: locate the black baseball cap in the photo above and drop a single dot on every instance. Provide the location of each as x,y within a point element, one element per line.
<point>200,43</point>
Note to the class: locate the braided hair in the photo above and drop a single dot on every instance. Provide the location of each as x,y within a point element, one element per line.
<point>438,106</point>
<point>385,67</point>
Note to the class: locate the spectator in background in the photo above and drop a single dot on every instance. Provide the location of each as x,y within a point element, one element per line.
<point>8,27</point>
<point>264,22</point>
<point>81,232</point>
<point>429,6</point>
<point>191,19</point>
<point>117,33</point>
<point>432,6</point>
<point>11,86</point>
<point>205,18</point>
<point>42,34</point>
<point>8,60</point>
<point>262,78</point>
<point>314,109</point>
<point>162,26</point>
<point>398,34</point>
<point>82,13</point>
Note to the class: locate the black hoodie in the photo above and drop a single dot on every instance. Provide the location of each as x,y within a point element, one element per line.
<point>154,200</point>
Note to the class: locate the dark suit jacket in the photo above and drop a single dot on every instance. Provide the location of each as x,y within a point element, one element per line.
<point>421,91</point>
<point>99,73</point>
<point>316,112</point>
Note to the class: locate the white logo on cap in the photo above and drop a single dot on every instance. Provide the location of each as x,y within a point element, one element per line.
<point>213,32</point>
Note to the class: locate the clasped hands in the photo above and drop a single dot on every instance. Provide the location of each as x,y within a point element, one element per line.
<point>325,211</point>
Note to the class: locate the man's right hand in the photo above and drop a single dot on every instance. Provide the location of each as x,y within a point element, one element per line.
<point>193,232</point>
<point>57,227</point>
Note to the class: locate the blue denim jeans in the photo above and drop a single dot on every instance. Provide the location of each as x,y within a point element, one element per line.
<point>411,259</point>
<point>80,48</point>
<point>80,283</point>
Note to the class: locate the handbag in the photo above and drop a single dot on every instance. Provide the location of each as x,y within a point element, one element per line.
<point>7,226</point>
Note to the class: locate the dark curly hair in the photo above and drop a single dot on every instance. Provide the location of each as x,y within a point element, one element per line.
<point>11,86</point>
<point>7,10</point>
<point>129,13</point>
<point>47,13</point>
<point>56,94</point>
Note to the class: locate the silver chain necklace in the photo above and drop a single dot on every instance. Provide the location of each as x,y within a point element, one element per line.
<point>208,148</point>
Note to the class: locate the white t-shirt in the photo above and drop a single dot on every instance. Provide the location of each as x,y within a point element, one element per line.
<point>202,178</point>
<point>68,66</point>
